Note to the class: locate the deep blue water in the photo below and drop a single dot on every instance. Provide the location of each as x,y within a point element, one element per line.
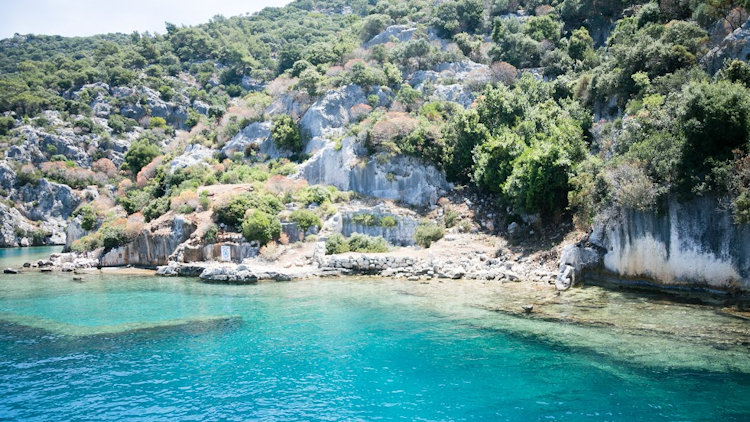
<point>117,347</point>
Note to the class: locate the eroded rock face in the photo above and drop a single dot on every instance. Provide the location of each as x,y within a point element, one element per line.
<point>399,178</point>
<point>735,46</point>
<point>7,176</point>
<point>45,200</point>
<point>292,103</point>
<point>400,234</point>
<point>12,227</point>
<point>73,232</point>
<point>693,245</point>
<point>457,93</point>
<point>151,247</point>
<point>332,111</point>
<point>36,142</point>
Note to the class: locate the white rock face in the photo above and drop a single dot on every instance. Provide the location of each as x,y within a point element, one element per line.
<point>258,134</point>
<point>331,112</point>
<point>194,154</point>
<point>400,178</point>
<point>400,32</point>
<point>694,244</point>
<point>457,93</point>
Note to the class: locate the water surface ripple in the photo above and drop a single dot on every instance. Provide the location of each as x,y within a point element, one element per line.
<point>147,348</point>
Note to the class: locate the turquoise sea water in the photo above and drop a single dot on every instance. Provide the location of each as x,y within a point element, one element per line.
<point>147,348</point>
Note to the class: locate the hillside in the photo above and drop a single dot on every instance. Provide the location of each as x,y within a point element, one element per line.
<point>518,119</point>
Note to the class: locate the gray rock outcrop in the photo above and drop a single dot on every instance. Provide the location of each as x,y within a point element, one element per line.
<point>258,136</point>
<point>37,144</point>
<point>401,33</point>
<point>399,178</point>
<point>46,200</point>
<point>735,46</point>
<point>332,111</point>
<point>400,234</point>
<point>194,154</point>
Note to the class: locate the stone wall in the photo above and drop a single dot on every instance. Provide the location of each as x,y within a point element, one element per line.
<point>402,234</point>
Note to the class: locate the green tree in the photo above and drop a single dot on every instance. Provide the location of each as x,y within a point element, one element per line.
<point>305,219</point>
<point>286,134</point>
<point>142,151</point>
<point>261,227</point>
<point>493,160</point>
<point>580,44</point>
<point>539,180</point>
<point>461,135</point>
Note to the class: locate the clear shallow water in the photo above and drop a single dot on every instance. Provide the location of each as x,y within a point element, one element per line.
<point>117,347</point>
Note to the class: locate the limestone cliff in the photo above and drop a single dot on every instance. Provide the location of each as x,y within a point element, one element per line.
<point>693,245</point>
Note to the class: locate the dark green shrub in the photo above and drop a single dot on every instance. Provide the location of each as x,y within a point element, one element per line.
<point>388,221</point>
<point>211,233</point>
<point>88,217</point>
<point>232,212</point>
<point>141,152</point>
<point>539,180</point>
<point>261,227</point>
<point>336,244</point>
<point>305,219</point>
<point>113,235</point>
<point>367,244</point>
<point>286,135</point>
<point>156,208</point>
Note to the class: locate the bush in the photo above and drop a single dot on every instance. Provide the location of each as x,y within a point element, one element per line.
<point>336,244</point>
<point>367,244</point>
<point>6,124</point>
<point>365,219</point>
<point>156,208</point>
<point>388,221</point>
<point>233,211</point>
<point>715,119</point>
<point>87,243</point>
<point>113,235</point>
<point>539,180</point>
<point>315,194</point>
<point>286,135</point>
<point>305,219</point>
<point>427,233</point>
<point>141,152</point>
<point>88,217</point>
<point>261,227</point>
<point>211,233</point>
<point>451,217</point>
